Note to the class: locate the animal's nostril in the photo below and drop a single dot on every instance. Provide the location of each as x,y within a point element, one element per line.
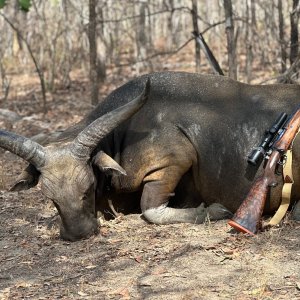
<point>74,233</point>
<point>75,237</point>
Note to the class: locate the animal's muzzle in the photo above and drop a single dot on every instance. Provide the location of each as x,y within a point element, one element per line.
<point>79,230</point>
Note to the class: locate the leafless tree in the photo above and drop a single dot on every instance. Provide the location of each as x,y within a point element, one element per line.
<point>94,83</point>
<point>281,37</point>
<point>294,31</point>
<point>231,47</point>
<point>34,59</point>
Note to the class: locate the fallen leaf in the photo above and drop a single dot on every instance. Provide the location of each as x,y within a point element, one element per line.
<point>104,231</point>
<point>125,294</point>
<point>138,259</point>
<point>228,251</point>
<point>5,294</point>
<point>23,284</point>
<point>82,294</point>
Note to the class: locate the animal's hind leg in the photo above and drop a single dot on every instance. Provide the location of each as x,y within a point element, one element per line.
<point>154,207</point>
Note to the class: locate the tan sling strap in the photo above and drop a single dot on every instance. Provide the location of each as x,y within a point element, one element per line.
<point>286,190</point>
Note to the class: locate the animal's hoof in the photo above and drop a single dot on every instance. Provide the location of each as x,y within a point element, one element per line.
<point>217,211</point>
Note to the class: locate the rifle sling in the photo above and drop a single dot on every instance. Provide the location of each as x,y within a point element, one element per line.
<point>286,190</point>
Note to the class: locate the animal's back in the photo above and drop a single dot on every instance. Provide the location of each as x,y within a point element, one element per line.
<point>222,118</point>
<point>213,92</point>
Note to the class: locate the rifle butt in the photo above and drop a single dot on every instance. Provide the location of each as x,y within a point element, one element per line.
<point>247,217</point>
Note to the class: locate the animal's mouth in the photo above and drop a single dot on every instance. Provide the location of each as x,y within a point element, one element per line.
<point>73,238</point>
<point>78,227</point>
<point>79,233</point>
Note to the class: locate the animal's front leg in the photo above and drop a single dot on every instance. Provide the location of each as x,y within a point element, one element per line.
<point>154,207</point>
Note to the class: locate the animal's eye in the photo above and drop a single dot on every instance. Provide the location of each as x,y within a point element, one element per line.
<point>88,192</point>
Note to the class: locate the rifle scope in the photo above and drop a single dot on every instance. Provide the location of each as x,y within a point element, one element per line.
<point>259,152</point>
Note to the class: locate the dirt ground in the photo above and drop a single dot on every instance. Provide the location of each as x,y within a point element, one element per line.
<point>129,259</point>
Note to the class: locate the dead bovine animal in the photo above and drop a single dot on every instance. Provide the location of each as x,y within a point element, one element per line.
<point>187,143</point>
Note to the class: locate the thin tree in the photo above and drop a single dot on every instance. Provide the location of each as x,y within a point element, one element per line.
<point>35,61</point>
<point>141,37</point>
<point>281,37</point>
<point>94,83</point>
<point>248,39</point>
<point>294,31</point>
<point>231,47</point>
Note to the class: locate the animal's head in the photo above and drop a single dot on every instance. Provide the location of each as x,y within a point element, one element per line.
<point>65,169</point>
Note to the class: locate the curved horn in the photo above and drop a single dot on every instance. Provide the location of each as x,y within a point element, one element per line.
<point>25,148</point>
<point>88,139</point>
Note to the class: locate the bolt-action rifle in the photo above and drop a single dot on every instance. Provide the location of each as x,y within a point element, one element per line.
<point>247,217</point>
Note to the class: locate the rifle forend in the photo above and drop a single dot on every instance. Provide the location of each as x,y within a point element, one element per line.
<point>247,217</point>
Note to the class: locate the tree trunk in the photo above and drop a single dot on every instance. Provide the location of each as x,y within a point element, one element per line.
<point>196,32</point>
<point>281,37</point>
<point>230,39</point>
<point>66,64</point>
<point>171,39</point>
<point>93,52</point>
<point>253,14</point>
<point>141,38</point>
<point>102,50</point>
<point>294,31</point>
<point>248,38</point>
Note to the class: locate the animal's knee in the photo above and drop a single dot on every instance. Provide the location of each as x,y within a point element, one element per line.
<point>217,211</point>
<point>296,212</point>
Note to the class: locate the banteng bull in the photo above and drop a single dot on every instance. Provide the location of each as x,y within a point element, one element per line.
<point>187,143</point>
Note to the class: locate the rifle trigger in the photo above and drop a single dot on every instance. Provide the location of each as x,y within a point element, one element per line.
<point>283,160</point>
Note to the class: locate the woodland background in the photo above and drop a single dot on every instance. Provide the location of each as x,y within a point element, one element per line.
<point>58,58</point>
<point>253,40</point>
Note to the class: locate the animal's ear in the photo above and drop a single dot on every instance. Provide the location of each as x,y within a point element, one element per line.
<point>106,164</point>
<point>27,179</point>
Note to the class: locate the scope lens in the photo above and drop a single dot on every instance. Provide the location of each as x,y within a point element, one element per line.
<point>256,156</point>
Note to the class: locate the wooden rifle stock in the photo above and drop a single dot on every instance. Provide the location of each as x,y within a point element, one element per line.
<point>247,217</point>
